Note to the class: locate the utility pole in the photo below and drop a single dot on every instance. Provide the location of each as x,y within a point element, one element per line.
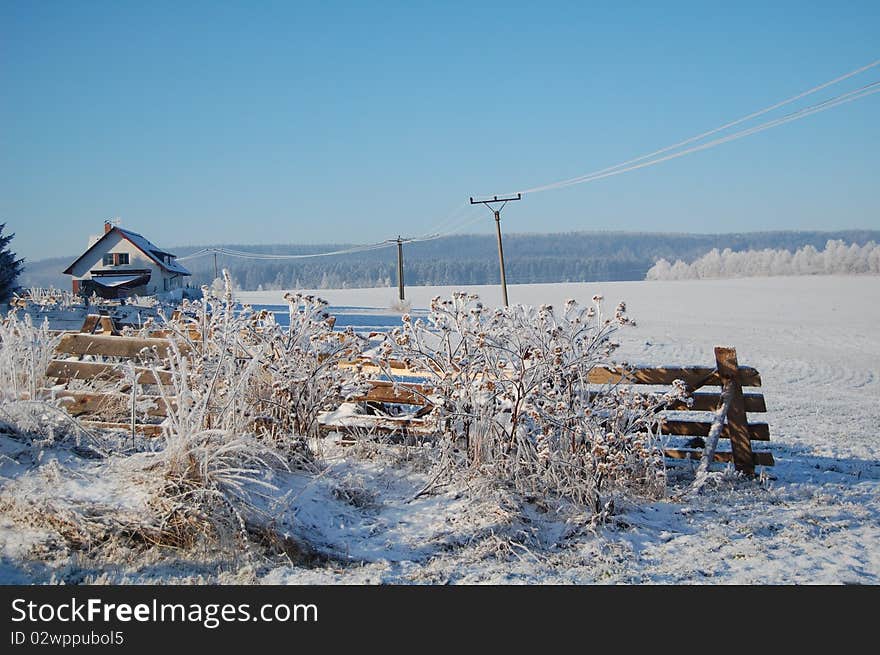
<point>215,265</point>
<point>399,241</point>
<point>497,213</point>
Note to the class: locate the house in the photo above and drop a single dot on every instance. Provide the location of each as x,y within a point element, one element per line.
<point>120,263</point>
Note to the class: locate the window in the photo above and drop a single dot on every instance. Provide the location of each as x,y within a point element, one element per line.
<point>116,259</point>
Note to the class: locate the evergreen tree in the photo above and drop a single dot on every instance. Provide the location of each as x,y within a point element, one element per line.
<point>10,267</point>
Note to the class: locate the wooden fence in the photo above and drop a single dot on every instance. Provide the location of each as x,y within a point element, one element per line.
<point>115,359</point>
<point>705,384</point>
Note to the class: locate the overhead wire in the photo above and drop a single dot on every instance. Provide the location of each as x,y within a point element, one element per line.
<point>703,135</point>
<point>450,218</point>
<point>472,217</point>
<point>268,256</point>
<point>465,214</point>
<point>851,96</point>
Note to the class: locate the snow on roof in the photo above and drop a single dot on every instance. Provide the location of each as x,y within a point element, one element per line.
<point>111,281</point>
<point>163,258</point>
<point>153,251</point>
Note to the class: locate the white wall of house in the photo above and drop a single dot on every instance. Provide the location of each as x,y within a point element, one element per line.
<point>160,279</point>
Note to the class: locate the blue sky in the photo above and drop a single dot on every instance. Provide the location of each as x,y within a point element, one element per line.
<point>316,122</point>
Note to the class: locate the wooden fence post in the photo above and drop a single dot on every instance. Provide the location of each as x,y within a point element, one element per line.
<point>93,321</point>
<point>737,423</point>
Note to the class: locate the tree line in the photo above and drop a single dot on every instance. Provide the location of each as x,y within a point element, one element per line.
<point>837,257</point>
<point>472,259</point>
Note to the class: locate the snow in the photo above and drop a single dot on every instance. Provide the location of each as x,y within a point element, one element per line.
<point>813,518</point>
<point>153,251</point>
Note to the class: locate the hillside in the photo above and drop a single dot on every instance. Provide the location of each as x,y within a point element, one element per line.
<point>472,259</point>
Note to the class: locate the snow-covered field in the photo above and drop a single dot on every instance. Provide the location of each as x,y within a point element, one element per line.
<point>813,518</point>
<point>816,342</point>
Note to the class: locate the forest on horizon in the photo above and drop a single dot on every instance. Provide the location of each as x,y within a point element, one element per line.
<point>469,259</point>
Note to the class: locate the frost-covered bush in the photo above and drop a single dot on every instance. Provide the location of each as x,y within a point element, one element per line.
<point>303,366</point>
<point>237,370</point>
<point>210,480</point>
<point>213,362</point>
<point>514,398</point>
<point>25,351</point>
<point>239,393</point>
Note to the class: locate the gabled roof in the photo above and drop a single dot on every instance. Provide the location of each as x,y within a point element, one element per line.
<point>141,243</point>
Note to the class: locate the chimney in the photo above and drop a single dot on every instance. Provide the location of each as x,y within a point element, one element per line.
<point>107,226</point>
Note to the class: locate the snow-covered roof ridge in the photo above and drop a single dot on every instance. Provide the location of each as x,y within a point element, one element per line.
<point>153,251</point>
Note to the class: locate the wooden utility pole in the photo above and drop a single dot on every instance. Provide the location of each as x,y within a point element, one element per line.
<point>399,241</point>
<point>400,267</point>
<point>497,213</point>
<point>215,264</point>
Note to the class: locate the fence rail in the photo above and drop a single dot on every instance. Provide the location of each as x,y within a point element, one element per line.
<point>121,359</point>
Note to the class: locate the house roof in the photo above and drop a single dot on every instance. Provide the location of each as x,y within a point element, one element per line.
<point>140,242</point>
<point>122,280</point>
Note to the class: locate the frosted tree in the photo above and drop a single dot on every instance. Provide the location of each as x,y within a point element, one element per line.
<point>837,258</point>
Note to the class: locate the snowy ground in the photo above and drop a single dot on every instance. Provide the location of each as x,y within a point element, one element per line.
<point>816,342</point>
<point>813,518</point>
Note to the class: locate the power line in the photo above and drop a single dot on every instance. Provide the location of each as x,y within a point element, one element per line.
<point>467,220</point>
<point>450,218</point>
<point>802,113</point>
<point>738,121</point>
<point>265,256</point>
<point>630,165</point>
<point>460,217</point>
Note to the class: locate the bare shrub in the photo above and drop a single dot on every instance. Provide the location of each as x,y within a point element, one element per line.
<point>303,366</point>
<point>25,351</point>
<point>514,400</point>
<point>242,395</point>
<point>210,480</point>
<point>238,370</point>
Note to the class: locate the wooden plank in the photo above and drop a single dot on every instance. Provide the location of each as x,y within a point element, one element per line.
<point>108,326</point>
<point>737,424</point>
<point>406,393</point>
<point>65,370</point>
<point>110,346</point>
<point>398,368</point>
<point>93,321</point>
<point>401,429</point>
<point>90,324</point>
<point>694,376</point>
<point>757,431</point>
<point>413,394</point>
<point>164,333</point>
<point>708,401</point>
<point>759,458</point>
<point>147,429</point>
<point>80,402</point>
